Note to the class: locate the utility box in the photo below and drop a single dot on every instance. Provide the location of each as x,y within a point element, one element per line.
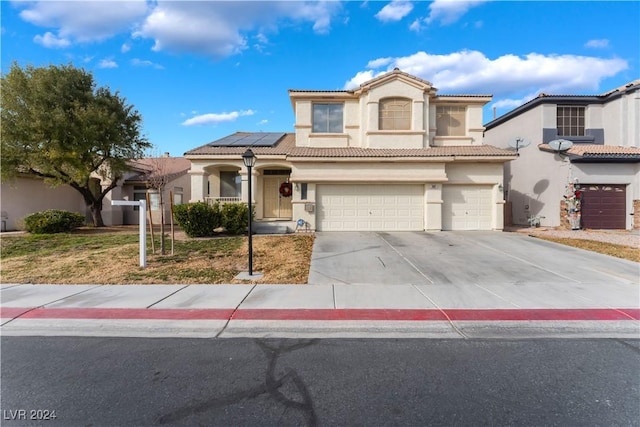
<point>309,207</point>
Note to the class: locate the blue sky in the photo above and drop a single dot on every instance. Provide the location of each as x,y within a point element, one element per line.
<point>200,70</point>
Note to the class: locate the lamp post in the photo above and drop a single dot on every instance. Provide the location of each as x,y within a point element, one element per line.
<point>249,160</point>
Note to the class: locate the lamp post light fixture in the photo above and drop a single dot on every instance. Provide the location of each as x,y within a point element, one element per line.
<point>249,160</point>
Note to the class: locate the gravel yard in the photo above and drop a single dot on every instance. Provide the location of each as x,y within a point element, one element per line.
<point>616,237</point>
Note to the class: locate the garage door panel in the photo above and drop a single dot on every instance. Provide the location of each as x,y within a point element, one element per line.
<point>603,206</point>
<point>364,207</point>
<point>466,207</point>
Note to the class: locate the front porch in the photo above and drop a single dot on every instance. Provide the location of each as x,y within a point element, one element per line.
<point>228,182</point>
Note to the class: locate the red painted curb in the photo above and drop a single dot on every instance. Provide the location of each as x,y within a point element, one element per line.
<point>323,314</point>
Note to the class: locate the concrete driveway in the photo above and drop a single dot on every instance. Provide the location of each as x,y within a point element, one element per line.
<point>459,258</point>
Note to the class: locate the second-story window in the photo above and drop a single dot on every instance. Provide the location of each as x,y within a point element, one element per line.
<point>450,120</point>
<point>327,118</point>
<point>570,121</point>
<point>395,114</point>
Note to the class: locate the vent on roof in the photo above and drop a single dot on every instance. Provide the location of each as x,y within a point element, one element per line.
<point>257,139</point>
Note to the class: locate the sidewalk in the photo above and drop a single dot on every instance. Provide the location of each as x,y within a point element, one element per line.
<point>421,311</point>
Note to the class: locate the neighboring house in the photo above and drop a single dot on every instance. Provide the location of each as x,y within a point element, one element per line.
<point>171,171</point>
<point>27,194</point>
<point>389,155</point>
<point>603,164</point>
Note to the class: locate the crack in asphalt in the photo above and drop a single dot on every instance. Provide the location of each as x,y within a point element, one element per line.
<point>270,387</point>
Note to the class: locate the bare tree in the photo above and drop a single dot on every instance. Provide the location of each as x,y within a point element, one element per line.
<point>157,179</point>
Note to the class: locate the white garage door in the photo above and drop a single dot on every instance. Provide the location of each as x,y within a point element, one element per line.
<point>466,207</point>
<point>370,207</point>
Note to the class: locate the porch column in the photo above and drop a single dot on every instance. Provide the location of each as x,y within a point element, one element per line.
<point>198,186</point>
<point>245,186</point>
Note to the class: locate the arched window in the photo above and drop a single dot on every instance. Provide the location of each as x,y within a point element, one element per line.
<point>394,114</point>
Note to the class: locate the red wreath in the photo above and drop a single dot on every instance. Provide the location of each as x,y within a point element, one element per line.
<point>285,189</point>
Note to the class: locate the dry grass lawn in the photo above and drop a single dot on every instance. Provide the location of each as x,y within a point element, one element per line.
<point>110,256</point>
<point>619,251</point>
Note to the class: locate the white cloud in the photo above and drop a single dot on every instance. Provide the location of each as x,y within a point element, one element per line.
<point>380,62</point>
<point>51,41</point>
<point>212,28</point>
<point>136,62</point>
<point>360,78</point>
<point>107,63</point>
<point>597,43</point>
<point>215,118</point>
<point>416,25</point>
<point>262,122</point>
<point>126,47</point>
<point>395,11</point>
<point>84,21</point>
<point>220,29</point>
<point>511,103</point>
<point>449,11</point>
<point>508,76</point>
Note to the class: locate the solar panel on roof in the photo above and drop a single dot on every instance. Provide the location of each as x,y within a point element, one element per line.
<point>257,139</point>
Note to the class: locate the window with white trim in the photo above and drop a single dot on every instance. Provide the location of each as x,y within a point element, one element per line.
<point>394,114</point>
<point>328,118</point>
<point>451,120</point>
<point>570,120</point>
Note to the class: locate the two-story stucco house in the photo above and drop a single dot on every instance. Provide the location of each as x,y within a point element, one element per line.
<point>391,154</point>
<point>602,165</point>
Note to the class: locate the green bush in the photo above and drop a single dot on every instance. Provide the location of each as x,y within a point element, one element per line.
<point>53,221</point>
<point>200,219</point>
<point>197,219</point>
<point>234,217</point>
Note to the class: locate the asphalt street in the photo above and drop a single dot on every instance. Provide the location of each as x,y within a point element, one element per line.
<point>263,382</point>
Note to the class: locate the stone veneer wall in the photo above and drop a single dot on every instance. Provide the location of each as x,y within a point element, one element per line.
<point>564,216</point>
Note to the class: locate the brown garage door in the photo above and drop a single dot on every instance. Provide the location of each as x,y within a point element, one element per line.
<point>604,206</point>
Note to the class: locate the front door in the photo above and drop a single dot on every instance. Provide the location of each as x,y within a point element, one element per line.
<point>276,206</point>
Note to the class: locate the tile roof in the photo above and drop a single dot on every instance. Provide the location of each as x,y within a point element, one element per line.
<point>172,167</point>
<point>356,152</point>
<point>598,151</point>
<point>286,148</point>
<point>465,95</point>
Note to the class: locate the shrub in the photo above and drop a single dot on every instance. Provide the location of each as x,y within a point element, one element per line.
<point>197,219</point>
<point>234,217</point>
<point>53,221</point>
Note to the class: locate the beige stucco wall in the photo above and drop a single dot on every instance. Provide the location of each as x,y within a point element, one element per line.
<point>416,137</point>
<point>373,172</point>
<point>361,116</point>
<point>26,195</point>
<point>621,119</point>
